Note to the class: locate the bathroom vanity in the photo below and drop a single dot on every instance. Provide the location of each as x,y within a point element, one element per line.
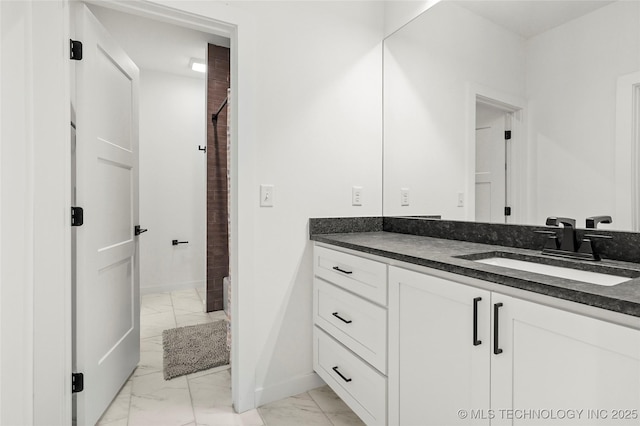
<point>413,330</point>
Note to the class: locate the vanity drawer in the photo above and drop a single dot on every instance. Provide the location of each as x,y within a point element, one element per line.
<point>359,385</point>
<point>357,323</point>
<point>364,277</point>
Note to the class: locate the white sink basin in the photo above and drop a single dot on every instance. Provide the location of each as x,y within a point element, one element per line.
<point>556,271</point>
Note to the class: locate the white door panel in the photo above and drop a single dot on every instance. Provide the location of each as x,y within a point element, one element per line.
<point>107,324</point>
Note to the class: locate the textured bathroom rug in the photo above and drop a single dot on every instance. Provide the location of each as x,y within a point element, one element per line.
<point>194,348</point>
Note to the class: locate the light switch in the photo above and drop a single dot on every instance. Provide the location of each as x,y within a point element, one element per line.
<point>356,196</point>
<point>460,199</point>
<point>404,196</point>
<point>266,195</point>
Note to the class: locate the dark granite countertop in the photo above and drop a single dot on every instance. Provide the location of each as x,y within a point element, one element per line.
<point>446,255</point>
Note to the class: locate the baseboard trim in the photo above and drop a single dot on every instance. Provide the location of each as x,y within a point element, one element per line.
<point>289,388</point>
<point>165,288</point>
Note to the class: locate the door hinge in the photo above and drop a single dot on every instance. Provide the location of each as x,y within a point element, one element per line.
<point>76,50</point>
<point>507,135</point>
<point>77,382</point>
<point>77,216</point>
<point>507,211</point>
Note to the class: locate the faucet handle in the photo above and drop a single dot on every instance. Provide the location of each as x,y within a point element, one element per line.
<point>556,221</point>
<point>593,221</point>
<point>589,246</point>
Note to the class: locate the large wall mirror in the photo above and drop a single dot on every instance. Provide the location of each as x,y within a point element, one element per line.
<point>529,105</point>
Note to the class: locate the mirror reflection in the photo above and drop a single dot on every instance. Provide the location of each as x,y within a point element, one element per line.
<point>513,111</point>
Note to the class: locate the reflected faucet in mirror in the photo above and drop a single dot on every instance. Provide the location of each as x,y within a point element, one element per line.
<point>569,246</point>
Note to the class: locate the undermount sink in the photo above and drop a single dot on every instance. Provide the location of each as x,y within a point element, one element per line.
<point>556,271</point>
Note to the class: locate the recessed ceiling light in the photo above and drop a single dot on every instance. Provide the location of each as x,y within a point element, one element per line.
<point>198,65</point>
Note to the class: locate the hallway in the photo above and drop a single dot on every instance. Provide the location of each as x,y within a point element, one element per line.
<point>203,398</point>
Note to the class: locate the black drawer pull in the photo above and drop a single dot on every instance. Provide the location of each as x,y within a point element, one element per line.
<point>496,345</point>
<point>476,342</point>
<point>337,268</point>
<point>340,374</point>
<point>335,314</point>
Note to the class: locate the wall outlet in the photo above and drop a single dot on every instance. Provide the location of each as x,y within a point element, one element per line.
<point>266,195</point>
<point>404,196</point>
<point>356,196</point>
<point>460,199</point>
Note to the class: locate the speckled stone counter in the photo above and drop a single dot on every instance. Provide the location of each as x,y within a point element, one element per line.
<point>456,257</point>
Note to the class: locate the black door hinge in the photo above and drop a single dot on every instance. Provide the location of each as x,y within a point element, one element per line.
<point>77,382</point>
<point>76,50</point>
<point>507,211</point>
<point>507,135</point>
<point>77,216</point>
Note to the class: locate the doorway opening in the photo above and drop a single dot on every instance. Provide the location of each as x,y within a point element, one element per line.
<point>497,125</point>
<point>173,126</point>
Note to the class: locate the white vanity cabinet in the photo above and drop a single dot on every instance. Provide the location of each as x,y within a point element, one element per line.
<point>438,351</point>
<point>513,362</point>
<point>557,360</point>
<point>350,330</point>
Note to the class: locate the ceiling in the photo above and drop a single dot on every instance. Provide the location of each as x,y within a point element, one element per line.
<point>533,17</point>
<point>157,45</point>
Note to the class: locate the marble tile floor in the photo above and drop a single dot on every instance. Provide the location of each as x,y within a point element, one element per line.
<point>203,398</point>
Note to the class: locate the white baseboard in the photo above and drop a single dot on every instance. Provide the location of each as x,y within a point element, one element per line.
<point>289,388</point>
<point>165,288</point>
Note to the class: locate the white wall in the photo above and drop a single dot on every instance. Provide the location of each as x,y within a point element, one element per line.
<point>317,133</point>
<point>430,66</point>
<point>571,88</point>
<point>172,181</point>
<point>398,13</point>
<point>35,297</point>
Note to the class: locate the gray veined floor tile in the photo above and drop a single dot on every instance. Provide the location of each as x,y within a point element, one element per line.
<point>212,405</point>
<point>118,411</point>
<point>188,306</point>
<point>183,320</point>
<point>155,401</point>
<point>151,353</point>
<point>335,408</point>
<point>197,374</point>
<point>190,293</point>
<point>203,398</point>
<point>154,324</point>
<point>217,315</point>
<point>347,418</point>
<point>294,411</point>
<point>155,303</point>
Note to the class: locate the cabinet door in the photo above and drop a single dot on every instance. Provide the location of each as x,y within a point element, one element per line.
<point>436,367</point>
<point>561,368</point>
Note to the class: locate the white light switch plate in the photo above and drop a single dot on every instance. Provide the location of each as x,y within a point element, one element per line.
<point>266,195</point>
<point>404,196</point>
<point>356,196</point>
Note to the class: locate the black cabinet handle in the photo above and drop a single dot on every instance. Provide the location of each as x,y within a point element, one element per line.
<point>496,345</point>
<point>476,342</point>
<point>335,314</point>
<point>340,374</point>
<point>337,268</point>
<point>176,242</point>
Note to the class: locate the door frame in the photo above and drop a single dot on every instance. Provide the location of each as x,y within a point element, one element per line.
<point>627,212</point>
<point>517,186</point>
<point>41,340</point>
<point>226,23</point>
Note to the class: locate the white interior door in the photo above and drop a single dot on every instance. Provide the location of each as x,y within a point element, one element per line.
<point>107,300</point>
<point>490,164</point>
